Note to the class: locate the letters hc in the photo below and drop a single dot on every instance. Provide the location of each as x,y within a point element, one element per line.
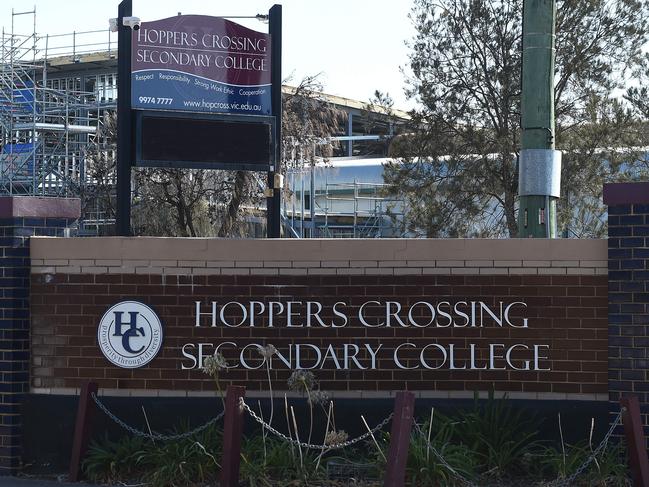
<point>132,330</point>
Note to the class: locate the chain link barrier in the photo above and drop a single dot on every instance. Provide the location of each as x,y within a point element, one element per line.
<point>335,446</point>
<point>568,481</point>
<point>153,435</point>
<point>444,463</point>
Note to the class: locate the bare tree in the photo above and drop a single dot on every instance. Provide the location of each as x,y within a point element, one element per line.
<point>308,122</point>
<point>192,203</point>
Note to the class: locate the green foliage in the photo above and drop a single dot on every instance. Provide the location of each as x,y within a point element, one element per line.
<point>500,435</point>
<point>180,463</point>
<point>185,462</point>
<point>492,443</point>
<point>459,171</point>
<point>108,461</point>
<point>425,468</point>
<point>279,462</point>
<point>609,468</point>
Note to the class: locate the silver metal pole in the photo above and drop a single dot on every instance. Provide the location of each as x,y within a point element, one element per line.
<point>312,200</point>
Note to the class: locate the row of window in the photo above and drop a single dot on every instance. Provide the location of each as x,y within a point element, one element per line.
<point>104,86</point>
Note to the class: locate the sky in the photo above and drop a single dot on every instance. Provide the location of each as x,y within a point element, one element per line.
<point>358,46</point>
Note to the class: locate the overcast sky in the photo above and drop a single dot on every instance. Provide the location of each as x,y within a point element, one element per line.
<point>357,45</point>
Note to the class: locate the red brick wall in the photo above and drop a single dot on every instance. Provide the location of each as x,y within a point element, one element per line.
<point>568,313</point>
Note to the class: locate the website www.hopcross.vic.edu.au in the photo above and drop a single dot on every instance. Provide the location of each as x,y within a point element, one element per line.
<point>215,105</point>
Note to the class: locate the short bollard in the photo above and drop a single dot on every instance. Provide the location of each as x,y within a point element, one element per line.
<point>404,410</point>
<point>232,433</point>
<point>82,429</point>
<point>635,441</point>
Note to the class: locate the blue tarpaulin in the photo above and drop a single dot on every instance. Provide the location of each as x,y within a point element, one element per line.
<point>17,148</point>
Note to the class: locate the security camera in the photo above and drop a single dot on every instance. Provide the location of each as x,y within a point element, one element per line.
<point>113,25</point>
<point>132,22</point>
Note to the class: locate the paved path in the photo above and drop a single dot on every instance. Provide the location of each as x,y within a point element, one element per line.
<point>23,482</point>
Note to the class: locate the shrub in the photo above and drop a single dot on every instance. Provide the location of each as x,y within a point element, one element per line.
<point>500,436</point>
<point>425,468</point>
<point>184,462</point>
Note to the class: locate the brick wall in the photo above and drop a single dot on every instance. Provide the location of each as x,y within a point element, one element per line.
<point>628,250</point>
<point>563,283</point>
<point>20,218</point>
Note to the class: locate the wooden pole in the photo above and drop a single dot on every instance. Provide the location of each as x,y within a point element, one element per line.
<point>635,440</point>
<point>232,433</point>
<point>404,410</point>
<point>82,428</point>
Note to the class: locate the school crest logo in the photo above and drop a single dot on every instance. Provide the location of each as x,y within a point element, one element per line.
<point>130,334</point>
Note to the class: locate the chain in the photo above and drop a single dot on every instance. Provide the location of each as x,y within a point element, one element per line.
<point>311,446</point>
<point>557,483</point>
<point>153,435</point>
<point>443,461</point>
<point>567,482</point>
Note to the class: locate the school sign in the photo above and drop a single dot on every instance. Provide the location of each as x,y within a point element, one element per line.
<point>198,63</point>
<point>559,325</point>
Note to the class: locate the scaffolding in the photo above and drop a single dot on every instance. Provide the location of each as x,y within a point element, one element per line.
<point>47,128</point>
<point>363,212</point>
<point>340,209</point>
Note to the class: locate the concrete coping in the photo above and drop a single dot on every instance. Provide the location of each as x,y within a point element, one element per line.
<point>39,207</point>
<point>626,193</point>
<point>343,251</point>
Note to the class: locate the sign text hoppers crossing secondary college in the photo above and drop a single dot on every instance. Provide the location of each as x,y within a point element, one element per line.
<point>201,63</point>
<point>304,315</point>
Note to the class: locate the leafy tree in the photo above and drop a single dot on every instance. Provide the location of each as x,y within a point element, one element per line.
<point>459,169</point>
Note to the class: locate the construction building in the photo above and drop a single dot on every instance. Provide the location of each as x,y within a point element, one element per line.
<point>57,93</point>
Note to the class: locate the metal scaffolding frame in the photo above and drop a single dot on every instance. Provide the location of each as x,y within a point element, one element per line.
<point>372,220</point>
<point>339,210</point>
<point>46,130</point>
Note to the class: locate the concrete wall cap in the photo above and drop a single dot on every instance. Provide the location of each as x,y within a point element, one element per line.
<point>317,250</point>
<point>37,207</point>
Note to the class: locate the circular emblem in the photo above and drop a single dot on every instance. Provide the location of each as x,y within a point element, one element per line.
<point>130,334</point>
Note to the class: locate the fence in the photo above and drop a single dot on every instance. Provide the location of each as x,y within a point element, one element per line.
<point>402,419</point>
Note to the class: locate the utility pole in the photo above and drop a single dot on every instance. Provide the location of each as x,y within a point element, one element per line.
<point>539,181</point>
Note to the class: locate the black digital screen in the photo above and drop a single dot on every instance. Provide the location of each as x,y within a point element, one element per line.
<point>203,143</point>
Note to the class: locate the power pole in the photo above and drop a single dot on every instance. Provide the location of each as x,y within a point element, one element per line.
<point>539,181</point>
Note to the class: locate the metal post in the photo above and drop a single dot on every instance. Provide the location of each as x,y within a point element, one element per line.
<point>404,410</point>
<point>232,432</point>
<point>124,121</point>
<point>293,200</point>
<point>312,200</point>
<point>539,163</point>
<point>302,200</point>
<point>34,100</point>
<point>350,132</point>
<point>355,207</point>
<point>635,440</point>
<point>273,204</point>
<point>82,428</point>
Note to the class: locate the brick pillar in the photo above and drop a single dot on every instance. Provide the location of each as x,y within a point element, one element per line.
<point>20,218</point>
<point>628,296</point>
